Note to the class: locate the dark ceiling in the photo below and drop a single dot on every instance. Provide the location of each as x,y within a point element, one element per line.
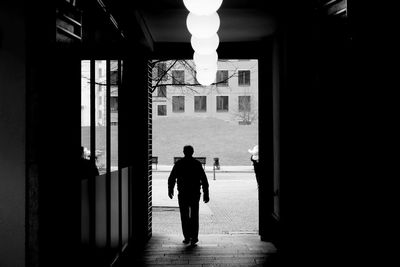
<point>165,20</point>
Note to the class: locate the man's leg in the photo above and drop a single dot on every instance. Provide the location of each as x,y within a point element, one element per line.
<point>194,221</point>
<point>184,210</point>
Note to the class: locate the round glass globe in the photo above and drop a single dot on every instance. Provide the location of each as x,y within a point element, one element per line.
<point>205,78</point>
<point>203,26</point>
<point>202,7</point>
<point>205,46</point>
<point>205,60</point>
<point>209,69</point>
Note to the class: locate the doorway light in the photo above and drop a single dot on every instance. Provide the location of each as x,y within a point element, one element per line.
<point>203,26</point>
<point>202,7</point>
<point>203,23</point>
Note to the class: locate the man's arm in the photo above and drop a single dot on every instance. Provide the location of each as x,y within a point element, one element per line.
<point>204,185</point>
<point>171,182</point>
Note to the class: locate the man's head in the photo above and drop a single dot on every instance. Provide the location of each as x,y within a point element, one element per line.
<point>188,151</point>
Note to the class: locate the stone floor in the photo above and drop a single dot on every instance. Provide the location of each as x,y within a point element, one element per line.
<point>212,250</point>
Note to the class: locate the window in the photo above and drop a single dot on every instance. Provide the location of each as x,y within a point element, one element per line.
<point>99,133</point>
<point>244,103</point>
<point>115,71</point>
<point>100,148</point>
<point>244,77</point>
<point>114,104</point>
<point>113,77</point>
<point>222,78</point>
<point>222,103</point>
<point>85,108</point>
<point>161,69</point>
<point>162,91</point>
<point>178,103</point>
<point>162,110</point>
<point>200,103</point>
<point>178,77</point>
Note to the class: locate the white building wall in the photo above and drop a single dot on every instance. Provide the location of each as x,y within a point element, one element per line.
<point>100,78</point>
<point>233,91</point>
<point>85,93</point>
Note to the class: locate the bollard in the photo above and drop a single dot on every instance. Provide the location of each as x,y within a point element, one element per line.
<point>215,165</point>
<point>214,172</point>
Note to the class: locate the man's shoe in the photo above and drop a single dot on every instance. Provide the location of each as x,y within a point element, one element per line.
<point>193,242</point>
<point>186,241</point>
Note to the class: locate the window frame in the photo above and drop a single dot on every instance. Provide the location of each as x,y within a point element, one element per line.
<point>249,103</point>
<point>164,87</point>
<point>244,84</point>
<point>164,70</point>
<point>174,103</point>
<point>224,84</point>
<point>217,103</point>
<point>200,103</point>
<point>174,81</point>
<point>158,110</point>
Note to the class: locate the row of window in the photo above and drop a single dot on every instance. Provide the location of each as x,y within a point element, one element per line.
<point>222,78</point>
<point>200,104</point>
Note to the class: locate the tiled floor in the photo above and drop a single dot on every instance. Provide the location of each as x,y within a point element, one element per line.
<point>212,250</point>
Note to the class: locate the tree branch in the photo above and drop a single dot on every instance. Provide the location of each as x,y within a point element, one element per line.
<point>162,76</point>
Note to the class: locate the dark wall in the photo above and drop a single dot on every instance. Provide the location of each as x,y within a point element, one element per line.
<point>54,130</point>
<point>267,230</point>
<point>12,134</point>
<point>53,144</point>
<point>134,125</point>
<point>316,135</point>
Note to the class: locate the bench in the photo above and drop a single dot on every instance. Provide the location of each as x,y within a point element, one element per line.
<point>201,159</point>
<point>154,160</point>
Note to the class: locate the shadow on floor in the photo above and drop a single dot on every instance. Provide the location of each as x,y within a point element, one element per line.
<point>212,250</point>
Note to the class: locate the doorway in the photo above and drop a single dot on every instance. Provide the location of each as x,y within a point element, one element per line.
<point>221,123</point>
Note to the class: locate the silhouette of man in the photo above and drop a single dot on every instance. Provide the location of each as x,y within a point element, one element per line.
<point>254,158</point>
<point>189,175</point>
<point>88,168</point>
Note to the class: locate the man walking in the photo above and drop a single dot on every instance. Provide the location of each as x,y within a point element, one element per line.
<point>189,175</point>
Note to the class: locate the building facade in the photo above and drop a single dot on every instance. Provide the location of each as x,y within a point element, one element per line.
<point>232,97</point>
<point>101,96</point>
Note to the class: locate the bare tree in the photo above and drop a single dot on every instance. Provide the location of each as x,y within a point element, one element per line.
<point>161,70</point>
<point>163,75</point>
<point>245,113</point>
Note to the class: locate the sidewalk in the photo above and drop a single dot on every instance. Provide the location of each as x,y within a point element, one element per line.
<point>209,168</point>
<point>233,205</point>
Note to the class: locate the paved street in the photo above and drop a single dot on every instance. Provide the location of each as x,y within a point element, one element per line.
<point>233,206</point>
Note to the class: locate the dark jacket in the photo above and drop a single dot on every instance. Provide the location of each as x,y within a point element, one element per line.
<point>88,169</point>
<point>189,175</point>
<point>256,169</point>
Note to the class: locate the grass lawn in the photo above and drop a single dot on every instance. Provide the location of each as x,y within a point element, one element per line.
<point>210,138</point>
